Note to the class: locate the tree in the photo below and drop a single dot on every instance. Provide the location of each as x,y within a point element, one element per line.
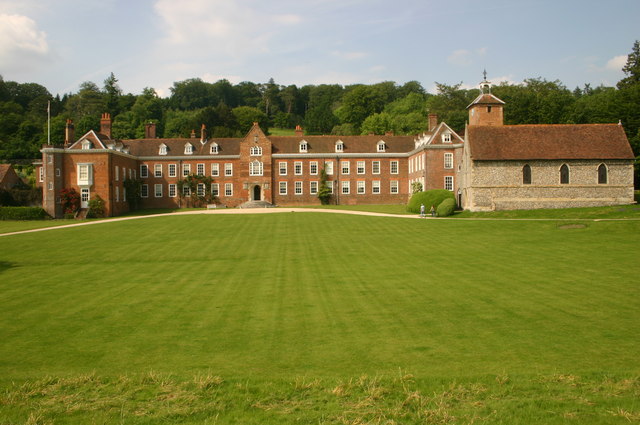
<point>192,94</point>
<point>246,116</point>
<point>632,68</point>
<point>112,95</point>
<point>377,124</point>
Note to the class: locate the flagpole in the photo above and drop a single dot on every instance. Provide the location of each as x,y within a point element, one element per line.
<point>49,122</point>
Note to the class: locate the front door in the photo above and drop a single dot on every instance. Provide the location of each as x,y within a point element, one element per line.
<point>84,197</point>
<point>256,193</point>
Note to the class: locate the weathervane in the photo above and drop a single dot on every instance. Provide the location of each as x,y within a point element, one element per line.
<point>485,74</point>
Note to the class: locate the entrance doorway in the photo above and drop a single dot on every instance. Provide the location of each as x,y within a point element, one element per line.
<point>84,197</point>
<point>256,193</point>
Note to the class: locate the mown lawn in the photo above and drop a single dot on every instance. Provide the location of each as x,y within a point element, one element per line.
<point>321,318</point>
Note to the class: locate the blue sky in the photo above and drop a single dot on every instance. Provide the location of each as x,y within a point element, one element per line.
<point>153,43</point>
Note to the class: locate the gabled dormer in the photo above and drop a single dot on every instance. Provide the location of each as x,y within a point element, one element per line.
<point>381,146</point>
<point>339,146</point>
<point>162,149</point>
<point>188,149</point>
<point>303,147</point>
<point>86,144</point>
<point>91,140</point>
<point>214,149</point>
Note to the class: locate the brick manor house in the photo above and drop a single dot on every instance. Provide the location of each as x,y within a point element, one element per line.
<point>492,166</point>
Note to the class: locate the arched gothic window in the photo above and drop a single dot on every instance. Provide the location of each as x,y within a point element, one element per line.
<point>564,174</point>
<point>255,168</point>
<point>526,174</point>
<point>602,174</point>
<point>256,151</point>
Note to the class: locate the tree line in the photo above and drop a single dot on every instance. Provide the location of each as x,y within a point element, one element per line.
<point>228,110</point>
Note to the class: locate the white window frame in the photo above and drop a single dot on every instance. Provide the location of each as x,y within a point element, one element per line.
<point>345,165</point>
<point>255,151</point>
<point>282,188</point>
<point>297,188</point>
<point>215,189</point>
<point>188,149</point>
<point>339,146</point>
<point>381,146</point>
<point>448,183</point>
<point>448,160</point>
<point>173,170</point>
<point>375,167</point>
<point>200,169</point>
<point>304,147</point>
<point>228,189</point>
<point>117,173</point>
<point>85,174</point>
<point>144,190</point>
<point>228,169</point>
<point>117,188</point>
<point>41,173</point>
<point>328,168</point>
<point>346,187</point>
<point>157,170</point>
<point>394,187</point>
<point>157,190</point>
<point>330,186</point>
<point>360,167</point>
<point>163,149</point>
<point>186,190</point>
<point>375,187</point>
<point>214,149</point>
<point>186,170</point>
<point>313,168</point>
<point>446,137</point>
<point>297,168</point>
<point>200,189</point>
<point>361,187</point>
<point>173,190</point>
<point>215,170</point>
<point>255,168</point>
<point>144,171</point>
<point>394,167</point>
<point>313,187</point>
<point>282,168</point>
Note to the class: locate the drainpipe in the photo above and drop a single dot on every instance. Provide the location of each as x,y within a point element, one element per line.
<point>336,189</point>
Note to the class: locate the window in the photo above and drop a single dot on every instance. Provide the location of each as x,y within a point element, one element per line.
<point>394,167</point>
<point>602,174</point>
<point>304,146</point>
<point>282,166</point>
<point>375,167</point>
<point>255,168</point>
<point>200,169</point>
<point>117,194</point>
<point>328,168</point>
<point>330,186</point>
<point>313,187</point>
<point>172,170</point>
<point>228,170</point>
<point>298,188</point>
<point>124,194</point>
<point>375,187</point>
<point>215,189</point>
<point>186,170</point>
<point>186,190</point>
<point>130,170</point>
<point>41,172</point>
<point>360,167</point>
<point>448,160</point>
<point>256,151</point>
<point>86,144</point>
<point>51,186</point>
<point>446,138</point>
<point>117,170</point>
<point>313,168</point>
<point>297,168</point>
<point>157,170</point>
<point>215,170</point>
<point>144,190</point>
<point>85,175</point>
<point>282,188</point>
<point>158,190</point>
<point>394,186</point>
<point>188,149</point>
<point>381,146</point>
<point>526,174</point>
<point>564,174</point>
<point>84,194</point>
<point>214,149</point>
<point>346,187</point>
<point>200,189</point>
<point>144,171</point>
<point>163,149</point>
<point>448,183</point>
<point>345,167</point>
<point>50,158</point>
<point>360,187</point>
<point>339,146</point>
<point>172,190</point>
<point>228,189</point>
<point>57,172</point>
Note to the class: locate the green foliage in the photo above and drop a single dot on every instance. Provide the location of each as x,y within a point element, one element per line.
<point>324,193</point>
<point>446,207</point>
<point>246,116</point>
<point>193,199</point>
<point>132,187</point>
<point>416,187</point>
<point>96,207</point>
<point>632,68</point>
<point>429,198</point>
<point>23,213</point>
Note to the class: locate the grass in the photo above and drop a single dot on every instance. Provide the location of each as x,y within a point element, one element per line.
<point>321,318</point>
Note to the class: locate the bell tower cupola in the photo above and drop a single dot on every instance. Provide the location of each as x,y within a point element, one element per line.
<point>486,109</point>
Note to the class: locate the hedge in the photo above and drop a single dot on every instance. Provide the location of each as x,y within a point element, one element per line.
<point>446,207</point>
<point>430,197</point>
<point>23,213</point>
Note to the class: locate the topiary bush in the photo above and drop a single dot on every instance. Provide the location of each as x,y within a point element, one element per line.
<point>96,207</point>
<point>23,213</point>
<point>430,197</point>
<point>446,207</point>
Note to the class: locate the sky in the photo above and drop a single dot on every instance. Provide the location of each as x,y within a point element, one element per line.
<point>154,43</point>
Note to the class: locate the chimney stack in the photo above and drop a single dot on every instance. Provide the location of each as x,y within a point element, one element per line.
<point>69,133</point>
<point>150,130</point>
<point>203,133</point>
<point>433,122</point>
<point>299,131</point>
<point>105,124</point>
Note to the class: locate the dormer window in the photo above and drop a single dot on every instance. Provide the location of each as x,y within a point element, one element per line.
<point>381,146</point>
<point>214,149</point>
<point>304,146</point>
<point>256,151</point>
<point>163,149</point>
<point>339,146</point>
<point>87,144</point>
<point>188,149</point>
<point>446,138</point>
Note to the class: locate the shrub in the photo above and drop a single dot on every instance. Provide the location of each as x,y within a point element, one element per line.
<point>23,213</point>
<point>96,207</point>
<point>446,207</point>
<point>430,197</point>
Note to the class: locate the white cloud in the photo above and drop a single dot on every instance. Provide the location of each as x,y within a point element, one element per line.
<point>22,44</point>
<point>464,57</point>
<point>616,63</point>
<point>349,55</point>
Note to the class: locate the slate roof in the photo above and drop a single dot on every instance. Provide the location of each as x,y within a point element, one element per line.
<point>175,147</point>
<point>544,141</point>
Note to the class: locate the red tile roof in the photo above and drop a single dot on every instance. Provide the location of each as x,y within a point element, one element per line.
<point>522,142</point>
<point>352,144</point>
<point>175,147</point>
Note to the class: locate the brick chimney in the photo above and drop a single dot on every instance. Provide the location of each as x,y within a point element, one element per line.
<point>150,130</point>
<point>389,133</point>
<point>433,121</point>
<point>299,131</point>
<point>105,124</point>
<point>203,133</point>
<point>69,133</point>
